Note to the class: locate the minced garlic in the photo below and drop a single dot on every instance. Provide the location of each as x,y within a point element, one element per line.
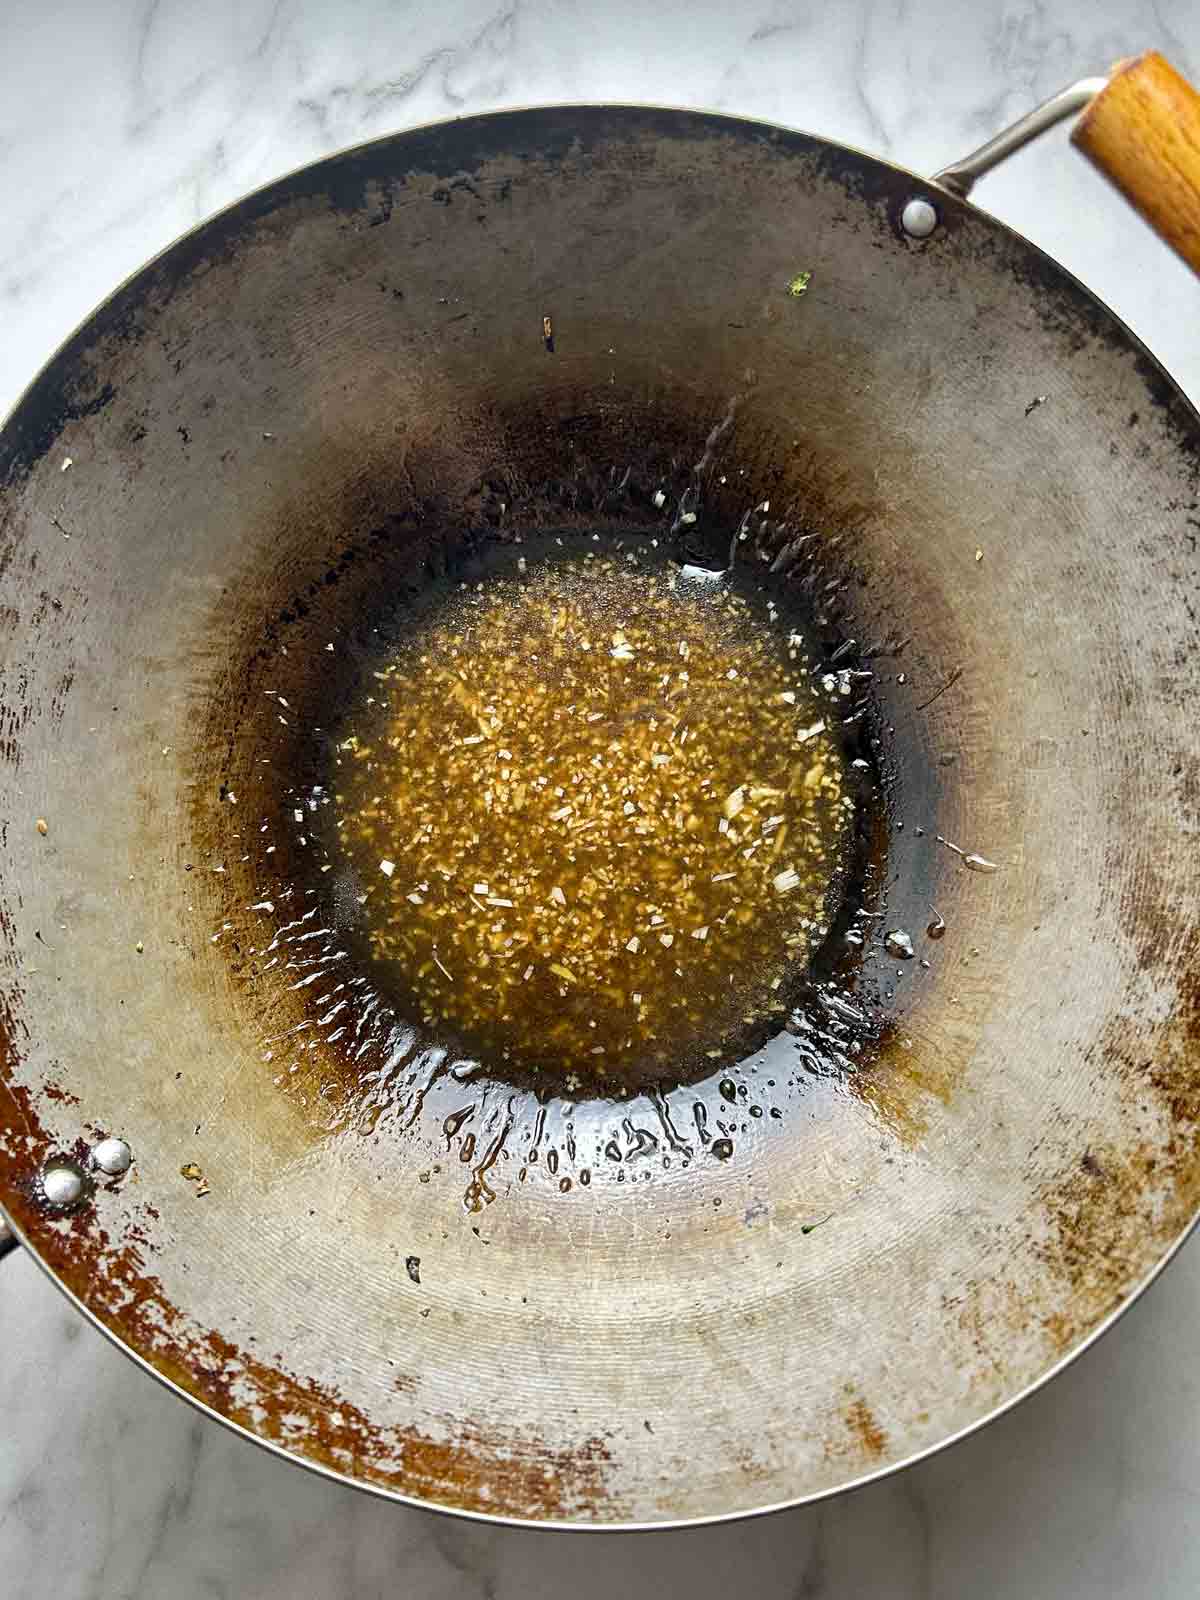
<point>573,830</point>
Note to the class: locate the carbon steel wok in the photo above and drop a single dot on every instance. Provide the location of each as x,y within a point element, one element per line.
<point>336,388</point>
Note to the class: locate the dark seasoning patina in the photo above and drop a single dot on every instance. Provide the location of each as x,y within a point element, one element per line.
<point>326,403</point>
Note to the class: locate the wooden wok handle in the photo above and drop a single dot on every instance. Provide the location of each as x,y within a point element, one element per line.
<point>1143,132</point>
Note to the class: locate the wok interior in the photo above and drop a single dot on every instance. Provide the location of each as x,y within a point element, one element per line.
<point>328,394</point>
<point>284,724</point>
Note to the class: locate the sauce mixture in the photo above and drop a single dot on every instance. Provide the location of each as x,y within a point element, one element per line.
<point>593,810</point>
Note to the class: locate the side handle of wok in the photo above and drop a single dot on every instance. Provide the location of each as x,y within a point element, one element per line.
<point>1140,126</point>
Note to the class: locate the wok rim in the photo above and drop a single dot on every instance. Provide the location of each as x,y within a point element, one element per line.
<point>555,1524</point>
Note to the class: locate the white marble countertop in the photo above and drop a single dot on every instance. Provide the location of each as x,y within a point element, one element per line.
<point>124,122</point>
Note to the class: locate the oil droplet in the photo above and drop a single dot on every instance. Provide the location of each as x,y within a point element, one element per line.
<point>663,1111</point>
<point>722,1149</point>
<point>564,1185</point>
<point>539,1129</point>
<point>756,1111</point>
<point>436,1059</point>
<point>479,1191</point>
<point>552,1161</point>
<point>641,1141</point>
<point>455,1121</point>
<point>585,1177</point>
<point>468,1148</point>
<point>700,1115</point>
<point>897,943</point>
<point>728,1092</point>
<point>937,926</point>
<point>979,864</point>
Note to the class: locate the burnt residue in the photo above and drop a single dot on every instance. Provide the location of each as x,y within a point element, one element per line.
<point>1117,1199</point>
<point>473,1468</point>
<point>904,1084</point>
<point>52,404</point>
<point>860,1420</point>
<point>852,1431</point>
<point>295,641</point>
<point>1100,1215</point>
<point>375,185</point>
<point>364,188</point>
<point>1118,1204</point>
<point>55,1091</point>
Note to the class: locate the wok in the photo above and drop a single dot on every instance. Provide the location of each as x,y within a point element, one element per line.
<point>987,494</point>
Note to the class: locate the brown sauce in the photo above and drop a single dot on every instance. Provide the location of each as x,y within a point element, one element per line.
<point>593,812</point>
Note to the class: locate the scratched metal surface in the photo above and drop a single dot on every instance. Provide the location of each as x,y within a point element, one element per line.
<point>311,397</point>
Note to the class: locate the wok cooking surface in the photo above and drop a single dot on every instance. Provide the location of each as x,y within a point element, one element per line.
<point>329,393</point>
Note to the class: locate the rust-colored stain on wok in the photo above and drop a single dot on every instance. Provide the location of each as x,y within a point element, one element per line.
<point>476,1468</point>
<point>860,1420</point>
<point>853,1430</point>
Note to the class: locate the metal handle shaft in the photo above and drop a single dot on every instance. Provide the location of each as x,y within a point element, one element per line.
<point>962,177</point>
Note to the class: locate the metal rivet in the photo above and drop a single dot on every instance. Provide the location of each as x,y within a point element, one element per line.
<point>112,1156</point>
<point>63,1183</point>
<point>919,218</point>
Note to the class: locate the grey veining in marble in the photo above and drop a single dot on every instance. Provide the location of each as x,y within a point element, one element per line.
<point>123,122</point>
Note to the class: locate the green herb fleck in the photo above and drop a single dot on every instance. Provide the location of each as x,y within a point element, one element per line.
<point>799,284</point>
